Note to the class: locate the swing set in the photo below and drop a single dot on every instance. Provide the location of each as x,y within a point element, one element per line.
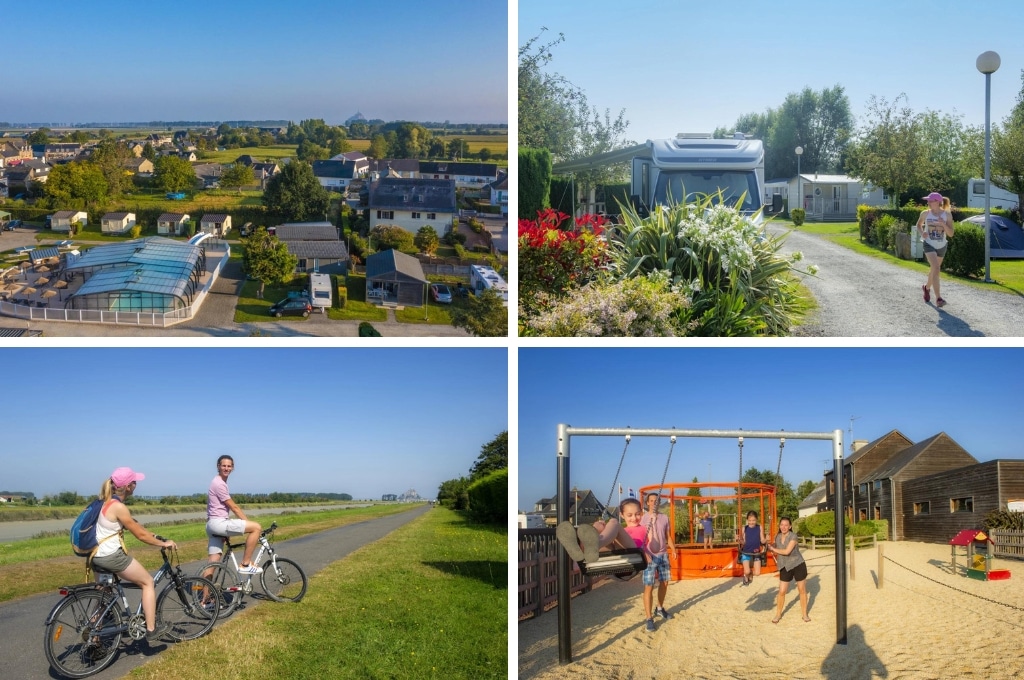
<point>690,558</point>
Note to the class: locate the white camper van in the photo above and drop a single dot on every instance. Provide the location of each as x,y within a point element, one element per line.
<point>1000,198</point>
<point>320,291</point>
<point>482,277</point>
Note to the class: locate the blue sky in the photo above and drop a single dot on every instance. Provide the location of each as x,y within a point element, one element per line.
<point>359,421</point>
<point>124,60</point>
<point>972,394</point>
<point>693,66</point>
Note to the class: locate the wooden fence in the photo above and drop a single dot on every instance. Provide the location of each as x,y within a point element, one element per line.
<point>829,542</point>
<point>538,579</point>
<point>1009,543</point>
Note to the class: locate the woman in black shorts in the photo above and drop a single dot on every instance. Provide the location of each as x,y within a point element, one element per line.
<point>791,566</point>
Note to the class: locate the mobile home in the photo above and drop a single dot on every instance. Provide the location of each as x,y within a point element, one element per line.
<point>320,291</point>
<point>1000,198</point>
<point>482,277</point>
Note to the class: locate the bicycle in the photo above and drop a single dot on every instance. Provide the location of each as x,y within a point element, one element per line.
<point>84,630</point>
<point>282,579</point>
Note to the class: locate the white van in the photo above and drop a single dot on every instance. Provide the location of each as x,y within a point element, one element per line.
<point>482,277</point>
<point>998,197</point>
<point>320,291</point>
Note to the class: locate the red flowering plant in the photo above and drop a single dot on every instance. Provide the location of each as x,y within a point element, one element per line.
<point>554,259</point>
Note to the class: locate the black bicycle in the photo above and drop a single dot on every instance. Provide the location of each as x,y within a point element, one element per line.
<point>282,579</point>
<point>84,629</point>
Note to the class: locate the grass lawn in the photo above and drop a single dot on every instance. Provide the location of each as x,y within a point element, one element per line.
<point>39,565</point>
<point>260,153</point>
<point>1008,274</point>
<point>428,600</point>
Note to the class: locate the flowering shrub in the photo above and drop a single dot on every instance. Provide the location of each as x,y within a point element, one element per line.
<point>554,260</point>
<point>637,307</point>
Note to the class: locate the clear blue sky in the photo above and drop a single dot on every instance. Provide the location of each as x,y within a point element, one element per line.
<point>124,60</point>
<point>345,420</point>
<point>972,394</point>
<point>694,66</point>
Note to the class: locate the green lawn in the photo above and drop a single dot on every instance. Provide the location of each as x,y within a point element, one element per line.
<point>1008,274</point>
<point>260,153</point>
<point>428,600</point>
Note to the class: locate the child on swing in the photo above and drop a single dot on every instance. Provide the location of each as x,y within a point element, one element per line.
<point>584,542</point>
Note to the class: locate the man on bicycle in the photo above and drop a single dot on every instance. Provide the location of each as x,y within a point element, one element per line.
<point>218,522</point>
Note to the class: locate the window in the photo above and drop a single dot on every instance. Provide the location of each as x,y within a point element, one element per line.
<point>878,485</point>
<point>878,512</point>
<point>431,216</point>
<point>922,508</point>
<point>961,504</point>
<point>831,487</point>
<point>416,215</point>
<point>863,488</point>
<point>862,514</point>
<point>978,188</point>
<point>385,214</point>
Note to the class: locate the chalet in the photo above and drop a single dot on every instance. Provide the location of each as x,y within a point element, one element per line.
<point>117,222</point>
<point>63,219</point>
<point>826,197</point>
<point>172,223</point>
<point>413,203</point>
<point>392,277</point>
<point>472,175</point>
<point>334,175</point>
<point>215,223</point>
<point>317,246</point>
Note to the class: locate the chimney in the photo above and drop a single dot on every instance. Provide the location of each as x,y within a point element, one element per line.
<point>859,444</point>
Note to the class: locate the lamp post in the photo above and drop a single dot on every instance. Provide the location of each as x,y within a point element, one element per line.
<point>799,185</point>
<point>988,63</point>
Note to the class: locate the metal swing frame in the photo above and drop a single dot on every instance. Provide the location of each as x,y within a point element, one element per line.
<point>564,437</point>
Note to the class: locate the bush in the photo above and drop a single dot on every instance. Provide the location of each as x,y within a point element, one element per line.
<point>966,253</point>
<point>1004,519</point>
<point>135,231</point>
<point>798,215</point>
<point>534,181</point>
<point>366,330</point>
<point>881,231</point>
<point>821,525</point>
<point>870,527</point>
<point>488,498</point>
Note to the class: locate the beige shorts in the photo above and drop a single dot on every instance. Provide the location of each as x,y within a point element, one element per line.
<point>222,526</point>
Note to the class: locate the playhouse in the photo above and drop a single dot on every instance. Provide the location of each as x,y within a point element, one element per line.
<point>978,551</point>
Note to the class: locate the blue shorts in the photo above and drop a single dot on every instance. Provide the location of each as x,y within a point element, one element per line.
<point>657,570</point>
<point>745,557</point>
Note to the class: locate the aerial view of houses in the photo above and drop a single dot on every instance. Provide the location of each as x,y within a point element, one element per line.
<point>142,227</point>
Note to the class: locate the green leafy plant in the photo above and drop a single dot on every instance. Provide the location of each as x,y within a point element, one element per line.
<point>966,254</point>
<point>798,215</point>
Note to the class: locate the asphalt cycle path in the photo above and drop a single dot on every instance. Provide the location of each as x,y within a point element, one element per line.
<point>22,621</point>
<point>861,296</point>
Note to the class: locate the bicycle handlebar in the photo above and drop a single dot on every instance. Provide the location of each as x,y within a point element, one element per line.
<point>268,530</point>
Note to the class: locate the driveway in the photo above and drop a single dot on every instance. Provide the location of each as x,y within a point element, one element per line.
<point>861,296</point>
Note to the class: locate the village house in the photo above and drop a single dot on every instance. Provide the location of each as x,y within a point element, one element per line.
<point>413,203</point>
<point>466,175</point>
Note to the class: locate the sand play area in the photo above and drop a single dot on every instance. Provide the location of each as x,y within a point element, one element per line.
<point>928,624</point>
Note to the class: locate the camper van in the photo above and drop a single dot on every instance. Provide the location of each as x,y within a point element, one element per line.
<point>1001,198</point>
<point>482,277</point>
<point>320,291</point>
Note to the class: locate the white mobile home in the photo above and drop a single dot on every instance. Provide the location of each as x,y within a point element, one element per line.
<point>1000,198</point>
<point>320,290</point>
<point>482,277</point>
<point>826,197</point>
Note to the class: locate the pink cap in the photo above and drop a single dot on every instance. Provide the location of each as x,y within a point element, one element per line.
<point>934,196</point>
<point>123,476</point>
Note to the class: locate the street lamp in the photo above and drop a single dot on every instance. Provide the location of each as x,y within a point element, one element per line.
<point>799,188</point>
<point>988,63</point>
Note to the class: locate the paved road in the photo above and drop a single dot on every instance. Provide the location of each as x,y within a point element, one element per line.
<point>21,622</point>
<point>861,296</point>
<point>21,530</point>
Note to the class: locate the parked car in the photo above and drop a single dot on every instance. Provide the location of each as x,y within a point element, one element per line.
<point>441,293</point>
<point>295,306</point>
<point>245,229</point>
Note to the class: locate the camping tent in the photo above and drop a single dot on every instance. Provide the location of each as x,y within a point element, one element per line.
<point>1007,236</point>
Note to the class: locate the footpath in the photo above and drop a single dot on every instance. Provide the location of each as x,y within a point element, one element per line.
<point>21,621</point>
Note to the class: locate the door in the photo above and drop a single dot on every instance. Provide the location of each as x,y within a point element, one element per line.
<point>837,199</point>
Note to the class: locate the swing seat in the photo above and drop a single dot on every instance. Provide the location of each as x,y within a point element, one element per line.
<point>619,562</point>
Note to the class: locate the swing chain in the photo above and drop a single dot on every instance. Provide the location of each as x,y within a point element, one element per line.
<point>605,514</point>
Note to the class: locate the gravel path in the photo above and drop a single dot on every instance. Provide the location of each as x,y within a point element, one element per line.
<point>860,296</point>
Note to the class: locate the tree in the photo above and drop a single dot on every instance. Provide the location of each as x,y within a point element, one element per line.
<point>110,156</point>
<point>172,173</point>
<point>457,148</point>
<point>310,151</point>
<point>76,185</point>
<point>40,136</point>
<point>805,489</point>
<point>493,456</point>
<point>426,240</point>
<point>390,237</point>
<point>484,153</point>
<point>891,151</point>
<point>955,151</point>
<point>148,152</point>
<point>378,147</point>
<point>484,315</point>
<point>296,194</point>
<point>267,258</point>
<point>237,176</point>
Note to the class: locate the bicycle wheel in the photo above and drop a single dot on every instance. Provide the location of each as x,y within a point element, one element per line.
<point>71,642</point>
<point>181,606</point>
<point>284,583</point>
<point>225,584</point>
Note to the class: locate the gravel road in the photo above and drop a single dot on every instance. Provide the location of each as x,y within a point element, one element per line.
<point>860,296</point>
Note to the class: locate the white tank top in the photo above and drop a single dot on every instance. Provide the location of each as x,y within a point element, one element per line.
<point>104,529</point>
<point>934,229</point>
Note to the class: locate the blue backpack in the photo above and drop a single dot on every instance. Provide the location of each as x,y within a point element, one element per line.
<point>83,531</point>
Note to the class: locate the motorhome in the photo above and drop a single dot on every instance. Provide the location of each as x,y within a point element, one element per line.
<point>688,165</point>
<point>1000,198</point>
<point>320,291</point>
<point>482,277</point>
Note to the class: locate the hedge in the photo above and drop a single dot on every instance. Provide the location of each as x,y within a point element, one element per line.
<point>488,498</point>
<point>534,182</point>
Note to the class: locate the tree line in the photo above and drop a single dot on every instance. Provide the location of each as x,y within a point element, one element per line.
<point>74,499</point>
<point>493,457</point>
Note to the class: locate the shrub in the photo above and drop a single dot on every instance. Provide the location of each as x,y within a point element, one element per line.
<point>798,215</point>
<point>1004,519</point>
<point>391,237</point>
<point>880,235</point>
<point>135,231</point>
<point>966,253</point>
<point>366,330</point>
<point>488,498</point>
<point>869,527</point>
<point>821,524</point>
<point>534,181</point>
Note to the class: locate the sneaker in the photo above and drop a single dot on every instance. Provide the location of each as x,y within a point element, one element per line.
<point>939,302</point>
<point>251,569</point>
<point>650,625</point>
<point>927,295</point>
<point>660,611</point>
<point>158,632</point>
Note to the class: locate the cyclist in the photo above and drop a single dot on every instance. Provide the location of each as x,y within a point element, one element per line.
<point>110,554</point>
<point>218,523</point>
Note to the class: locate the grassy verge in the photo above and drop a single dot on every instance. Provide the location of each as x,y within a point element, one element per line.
<point>1008,274</point>
<point>41,564</point>
<point>428,600</point>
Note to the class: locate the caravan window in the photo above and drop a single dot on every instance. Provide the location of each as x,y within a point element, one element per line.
<point>677,186</point>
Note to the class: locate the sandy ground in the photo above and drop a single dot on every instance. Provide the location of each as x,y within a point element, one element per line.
<point>928,624</point>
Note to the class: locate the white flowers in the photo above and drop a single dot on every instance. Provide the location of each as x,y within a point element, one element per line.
<point>723,230</point>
